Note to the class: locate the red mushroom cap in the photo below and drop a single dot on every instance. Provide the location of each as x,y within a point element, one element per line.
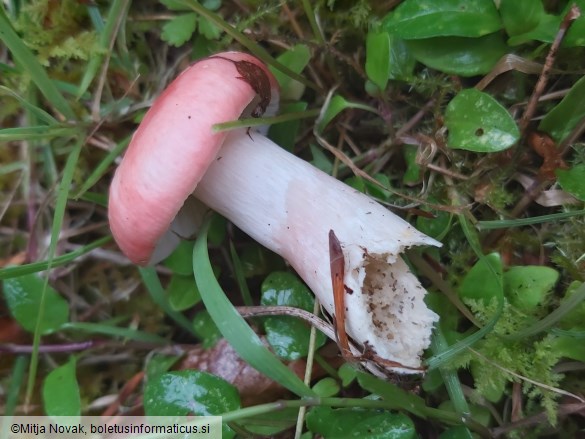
<point>175,144</point>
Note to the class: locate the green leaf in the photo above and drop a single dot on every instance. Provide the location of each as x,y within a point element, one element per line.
<point>414,19</point>
<point>234,328</point>
<point>436,227</point>
<point>560,121</point>
<point>206,329</point>
<point>180,393</point>
<point>369,188</point>
<point>392,394</point>
<point>326,387</point>
<point>570,348</point>
<point>320,160</point>
<point>548,26</point>
<point>347,373</point>
<point>186,392</point>
<point>526,287</point>
<point>480,283</point>
<point>285,134</point>
<point>574,319</point>
<point>24,295</point>
<point>174,5</point>
<point>180,260</point>
<point>288,336</point>
<point>477,122</point>
<point>182,292</point>
<point>336,106</point>
<point>35,267</point>
<point>359,423</point>
<point>178,30</point>
<point>61,391</point>
<point>296,59</point>
<point>378,58</point>
<point>544,31</point>
<point>412,175</point>
<point>208,29</point>
<point>460,56</point>
<point>520,16</point>
<point>158,364</point>
<point>573,180</point>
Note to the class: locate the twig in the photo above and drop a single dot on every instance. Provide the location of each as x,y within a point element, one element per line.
<point>66,347</point>
<point>563,410</point>
<point>573,13</point>
<point>312,319</point>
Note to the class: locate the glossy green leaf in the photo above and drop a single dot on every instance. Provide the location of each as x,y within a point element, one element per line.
<point>180,393</point>
<point>182,292</point>
<point>179,29</point>
<point>561,120</point>
<point>359,423</point>
<point>573,180</point>
<point>520,16</point>
<point>458,55</point>
<point>61,391</point>
<point>526,287</point>
<point>206,329</point>
<point>480,283</point>
<point>186,392</point>
<point>24,295</point>
<point>288,336</point>
<point>414,19</point>
<point>477,122</point>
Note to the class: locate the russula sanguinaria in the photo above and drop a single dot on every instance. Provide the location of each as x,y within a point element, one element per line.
<point>278,199</point>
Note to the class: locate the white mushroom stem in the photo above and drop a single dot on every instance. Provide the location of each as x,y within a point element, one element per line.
<point>289,206</point>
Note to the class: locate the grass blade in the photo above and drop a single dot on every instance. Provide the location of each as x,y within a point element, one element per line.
<point>127,333</point>
<point>233,327</point>
<point>28,62</point>
<point>35,267</point>
<point>115,17</point>
<point>60,205</point>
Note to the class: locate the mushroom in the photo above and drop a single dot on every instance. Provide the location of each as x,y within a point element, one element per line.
<point>278,199</point>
